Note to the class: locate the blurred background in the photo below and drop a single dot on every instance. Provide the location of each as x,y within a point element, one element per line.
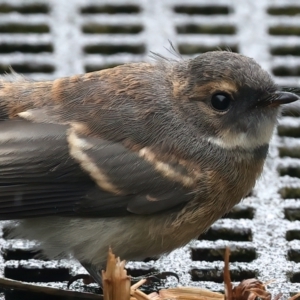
<point>46,39</point>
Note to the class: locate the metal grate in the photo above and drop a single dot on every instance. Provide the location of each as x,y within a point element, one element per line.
<point>49,39</point>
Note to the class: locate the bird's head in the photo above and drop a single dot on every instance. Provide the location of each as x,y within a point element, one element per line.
<point>231,99</point>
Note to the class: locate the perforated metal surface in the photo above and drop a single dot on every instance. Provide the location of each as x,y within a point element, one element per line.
<point>49,39</point>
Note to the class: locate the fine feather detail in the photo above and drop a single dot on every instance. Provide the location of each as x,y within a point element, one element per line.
<point>77,147</point>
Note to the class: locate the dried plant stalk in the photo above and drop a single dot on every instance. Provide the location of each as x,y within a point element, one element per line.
<point>190,293</point>
<point>116,283</point>
<point>295,296</point>
<point>137,294</point>
<point>227,278</point>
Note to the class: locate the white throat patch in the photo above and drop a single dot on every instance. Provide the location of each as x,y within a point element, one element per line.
<point>248,141</point>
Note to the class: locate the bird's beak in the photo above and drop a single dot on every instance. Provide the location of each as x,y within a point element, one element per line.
<point>285,97</point>
<point>278,98</point>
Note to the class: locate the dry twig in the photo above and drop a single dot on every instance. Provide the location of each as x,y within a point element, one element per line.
<point>116,283</point>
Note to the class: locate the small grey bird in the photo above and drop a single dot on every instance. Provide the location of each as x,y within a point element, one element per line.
<point>141,157</point>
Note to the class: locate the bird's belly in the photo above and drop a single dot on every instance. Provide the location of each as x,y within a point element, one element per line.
<point>131,238</point>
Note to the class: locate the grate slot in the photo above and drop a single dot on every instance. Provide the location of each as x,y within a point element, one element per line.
<point>93,28</point>
<point>284,11</point>
<point>114,49</point>
<point>92,68</point>
<point>292,214</point>
<point>111,9</point>
<point>289,151</point>
<point>291,111</point>
<point>290,131</point>
<point>202,10</point>
<point>35,8</point>
<point>290,193</point>
<point>292,235</point>
<point>295,277</point>
<point>20,254</point>
<point>147,259</point>
<point>137,272</point>
<point>238,254</point>
<point>27,68</point>
<point>286,50</point>
<point>284,30</point>
<point>239,212</point>
<point>294,255</point>
<point>13,28</point>
<point>205,29</point>
<point>290,171</point>
<point>216,275</point>
<point>286,71</point>
<point>25,48</point>
<point>189,49</point>
<point>230,234</point>
<point>27,274</point>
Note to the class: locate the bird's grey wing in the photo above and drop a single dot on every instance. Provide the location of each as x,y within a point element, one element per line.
<point>48,169</point>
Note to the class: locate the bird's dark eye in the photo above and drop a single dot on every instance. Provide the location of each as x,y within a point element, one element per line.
<point>220,102</point>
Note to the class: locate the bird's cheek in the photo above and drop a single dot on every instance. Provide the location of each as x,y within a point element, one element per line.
<point>242,127</point>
